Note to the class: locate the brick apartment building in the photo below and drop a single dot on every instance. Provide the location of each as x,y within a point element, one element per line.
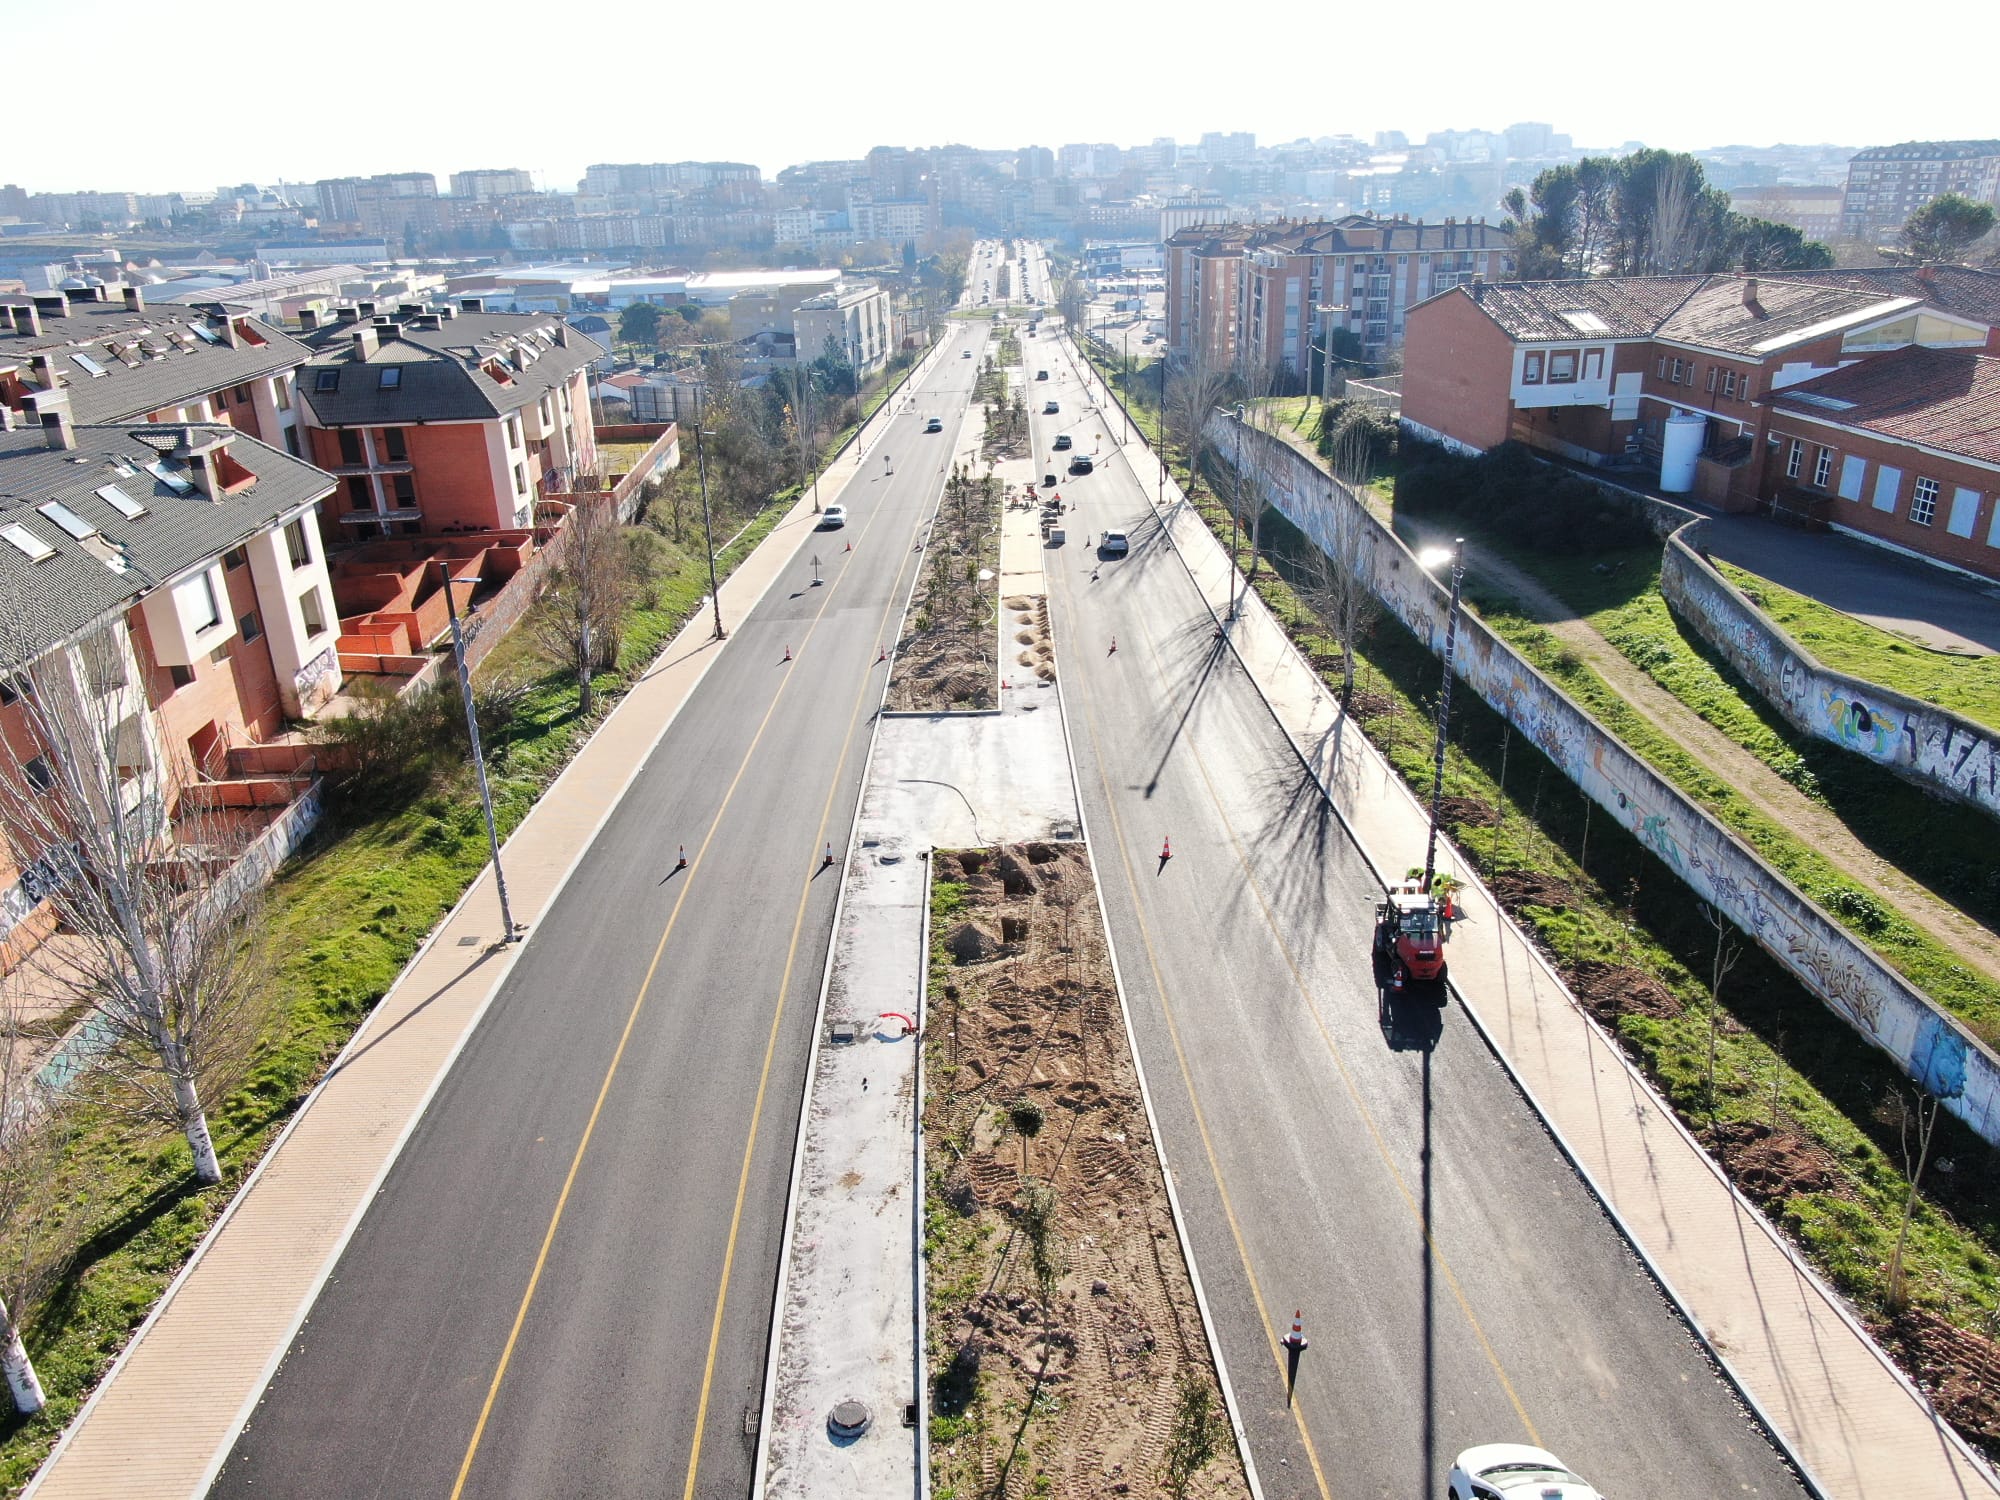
<point>1711,382</point>
<point>1273,296</point>
<point>1886,184</point>
<point>172,573</point>
<point>444,420</point>
<point>121,360</point>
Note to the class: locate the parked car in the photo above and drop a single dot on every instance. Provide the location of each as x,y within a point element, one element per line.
<point>1513,1471</point>
<point>1081,464</point>
<point>1048,481</point>
<point>1041,374</point>
<point>1113,545</point>
<point>933,425</point>
<point>1062,441</point>
<point>833,518</point>
<point>965,354</point>
<point>1049,409</point>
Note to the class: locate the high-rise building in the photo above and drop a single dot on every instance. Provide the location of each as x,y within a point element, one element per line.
<point>1886,184</point>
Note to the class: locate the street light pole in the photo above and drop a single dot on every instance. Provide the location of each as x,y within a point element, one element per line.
<point>1444,705</point>
<point>707,535</point>
<point>1235,519</point>
<point>512,934</point>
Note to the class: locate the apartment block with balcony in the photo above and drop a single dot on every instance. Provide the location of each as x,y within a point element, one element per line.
<point>443,420</point>
<point>1276,296</point>
<point>854,318</point>
<point>1886,184</point>
<point>173,573</point>
<point>119,359</point>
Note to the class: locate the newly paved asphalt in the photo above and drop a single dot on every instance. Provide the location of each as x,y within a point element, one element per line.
<point>1379,1173</point>
<point>635,1083</point>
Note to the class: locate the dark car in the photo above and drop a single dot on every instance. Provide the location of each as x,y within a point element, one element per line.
<point>1051,408</point>
<point>1041,374</point>
<point>1081,464</point>
<point>1062,442</point>
<point>1048,481</point>
<point>933,425</point>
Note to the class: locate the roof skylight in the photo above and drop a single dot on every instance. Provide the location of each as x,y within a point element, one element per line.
<point>1583,322</point>
<point>27,543</point>
<point>88,365</point>
<point>67,519</point>
<point>119,501</point>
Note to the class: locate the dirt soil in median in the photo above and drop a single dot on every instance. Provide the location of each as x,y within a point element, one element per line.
<point>945,661</point>
<point>1958,1370</point>
<point>1065,1383</point>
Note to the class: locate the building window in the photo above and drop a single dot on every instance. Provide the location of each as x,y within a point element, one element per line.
<point>326,380</point>
<point>392,378</point>
<point>1822,468</point>
<point>311,612</point>
<point>1562,366</point>
<point>1793,458</point>
<point>1853,469</point>
<point>1923,504</point>
<point>203,597</point>
<point>1729,383</point>
<point>1531,369</point>
<point>298,546</point>
<point>38,774</point>
<point>181,676</point>
<point>242,394</point>
<point>282,389</point>
<point>1712,373</point>
<point>513,432</point>
<point>350,448</point>
<point>235,558</point>
<point>220,654</point>
<point>394,446</point>
<point>520,479</point>
<point>1679,368</point>
<point>251,626</point>
<point>1888,484</point>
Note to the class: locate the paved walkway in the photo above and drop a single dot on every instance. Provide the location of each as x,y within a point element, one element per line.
<point>163,1419</point>
<point>1844,1411</point>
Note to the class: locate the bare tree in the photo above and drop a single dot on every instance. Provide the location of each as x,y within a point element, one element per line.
<point>1257,464</point>
<point>36,1236</point>
<point>1194,388</point>
<point>1728,952</point>
<point>1336,573</point>
<point>1678,241</point>
<point>139,859</point>
<point>578,622</point>
<point>1915,1120</point>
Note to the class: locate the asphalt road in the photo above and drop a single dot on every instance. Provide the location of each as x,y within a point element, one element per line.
<point>1380,1173</point>
<point>607,1160</point>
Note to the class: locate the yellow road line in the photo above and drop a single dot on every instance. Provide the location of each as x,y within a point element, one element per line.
<point>1194,1102</point>
<point>1340,1062</point>
<point>631,1020</point>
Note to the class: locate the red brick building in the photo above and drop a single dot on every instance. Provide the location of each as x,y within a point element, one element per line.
<point>1903,449</point>
<point>1674,377</point>
<point>1272,297</point>
<point>444,420</point>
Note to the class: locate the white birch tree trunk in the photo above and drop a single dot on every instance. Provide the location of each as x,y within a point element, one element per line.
<point>194,1124</point>
<point>21,1378</point>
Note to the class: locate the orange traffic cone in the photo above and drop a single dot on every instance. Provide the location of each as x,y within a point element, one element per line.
<point>829,857</point>
<point>1166,850</point>
<point>683,863</point>
<point>1296,1339</point>
<point>848,548</point>
<point>788,653</point>
<point>882,656</point>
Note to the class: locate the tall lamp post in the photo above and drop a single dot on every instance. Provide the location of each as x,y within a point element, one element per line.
<point>1326,310</point>
<point>513,934</point>
<point>1235,520</point>
<point>1429,558</point>
<point>707,535</point>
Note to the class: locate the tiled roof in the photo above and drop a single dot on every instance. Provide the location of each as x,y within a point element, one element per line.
<point>1728,313</point>
<point>1947,399</point>
<point>441,374</point>
<point>1953,289</point>
<point>1356,234</point>
<point>50,601</point>
<point>167,356</point>
<point>1628,307</point>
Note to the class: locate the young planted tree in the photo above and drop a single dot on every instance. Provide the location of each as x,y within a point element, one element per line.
<point>577,624</point>
<point>1195,387</point>
<point>1026,1117</point>
<point>1915,1116</point>
<point>1727,953</point>
<point>139,861</point>
<point>1196,1436</point>
<point>1045,1248</point>
<point>36,1236</point>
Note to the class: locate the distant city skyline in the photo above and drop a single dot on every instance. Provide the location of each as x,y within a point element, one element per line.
<point>656,88</point>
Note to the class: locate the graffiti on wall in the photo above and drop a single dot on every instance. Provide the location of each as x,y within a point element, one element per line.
<point>1848,977</point>
<point>1920,741</point>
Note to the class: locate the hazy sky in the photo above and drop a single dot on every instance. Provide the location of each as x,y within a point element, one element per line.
<point>302,91</point>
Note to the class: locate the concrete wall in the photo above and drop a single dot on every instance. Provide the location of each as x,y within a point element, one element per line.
<point>1931,1046</point>
<point>1940,751</point>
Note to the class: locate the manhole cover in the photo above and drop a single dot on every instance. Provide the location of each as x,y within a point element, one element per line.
<point>467,942</point>
<point>848,1420</point>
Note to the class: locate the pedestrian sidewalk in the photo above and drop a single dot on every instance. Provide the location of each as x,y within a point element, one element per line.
<point>1843,1410</point>
<point>164,1417</point>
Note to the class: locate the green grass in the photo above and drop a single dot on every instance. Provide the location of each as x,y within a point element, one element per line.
<point>1965,685</point>
<point>1296,414</point>
<point>346,915</point>
<point>1775,1040</point>
<point>1897,820</point>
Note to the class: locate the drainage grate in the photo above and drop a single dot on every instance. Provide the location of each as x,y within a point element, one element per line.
<point>467,942</point>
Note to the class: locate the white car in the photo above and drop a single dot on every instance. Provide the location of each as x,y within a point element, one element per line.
<point>833,517</point>
<point>1513,1471</point>
<point>1113,545</point>
<point>965,354</point>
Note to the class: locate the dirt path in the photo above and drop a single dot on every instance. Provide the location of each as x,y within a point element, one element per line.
<point>1762,787</point>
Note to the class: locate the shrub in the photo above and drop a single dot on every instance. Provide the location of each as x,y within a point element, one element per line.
<point>394,748</point>
<point>1518,498</point>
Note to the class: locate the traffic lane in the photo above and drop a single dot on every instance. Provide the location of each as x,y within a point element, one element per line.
<point>1508,1216</point>
<point>408,1324</point>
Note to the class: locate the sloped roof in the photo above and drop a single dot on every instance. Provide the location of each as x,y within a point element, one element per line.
<point>1754,316</point>
<point>441,374</point>
<point>1948,399</point>
<point>167,356</point>
<point>1628,307</point>
<point>50,601</point>
<point>1964,290</point>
